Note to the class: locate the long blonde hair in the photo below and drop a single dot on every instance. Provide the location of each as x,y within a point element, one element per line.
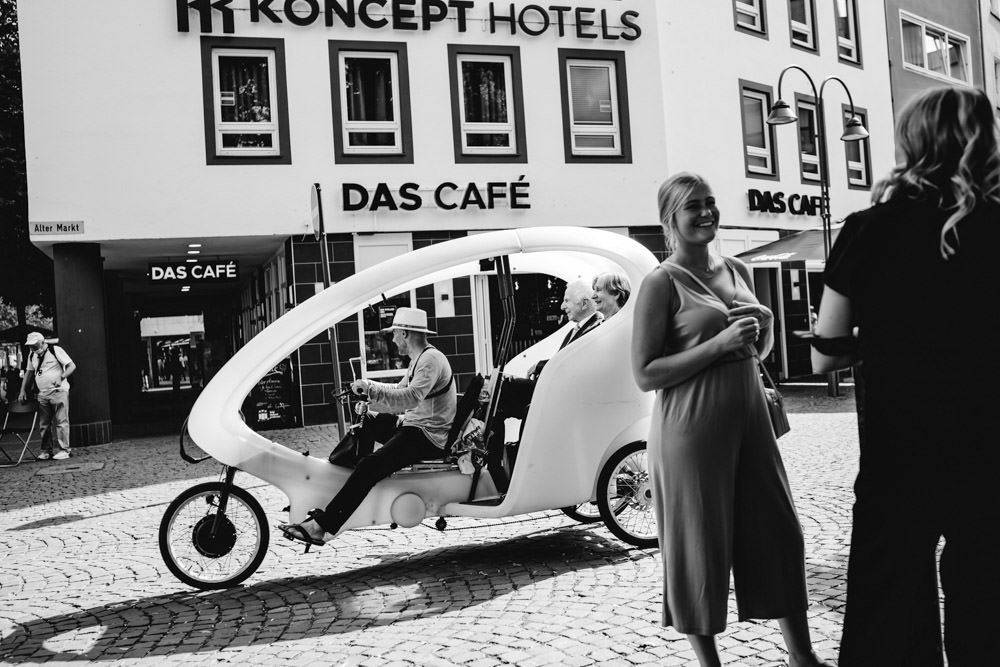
<point>948,138</point>
<point>671,197</point>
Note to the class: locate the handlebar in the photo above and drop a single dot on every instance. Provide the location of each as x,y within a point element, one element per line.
<point>343,396</point>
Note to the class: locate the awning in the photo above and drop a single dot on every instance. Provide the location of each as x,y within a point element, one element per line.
<point>798,247</point>
<point>18,333</point>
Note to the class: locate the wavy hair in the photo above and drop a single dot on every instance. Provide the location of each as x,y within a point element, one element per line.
<point>615,284</point>
<point>671,197</point>
<point>948,140</point>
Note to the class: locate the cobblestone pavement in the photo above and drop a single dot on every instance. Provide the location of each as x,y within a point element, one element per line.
<point>81,576</point>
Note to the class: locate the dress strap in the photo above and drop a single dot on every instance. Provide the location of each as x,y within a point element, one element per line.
<point>737,275</point>
<point>705,287</point>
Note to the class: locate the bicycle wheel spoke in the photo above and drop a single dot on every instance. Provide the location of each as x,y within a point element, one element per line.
<point>630,496</point>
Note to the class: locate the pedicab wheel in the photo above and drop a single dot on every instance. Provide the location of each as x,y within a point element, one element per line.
<point>625,498</point>
<point>590,512</point>
<point>208,549</point>
<point>584,513</point>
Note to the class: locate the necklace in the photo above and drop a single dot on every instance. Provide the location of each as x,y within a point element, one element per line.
<point>707,271</point>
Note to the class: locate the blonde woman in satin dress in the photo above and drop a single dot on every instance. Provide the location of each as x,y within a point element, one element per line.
<point>722,497</point>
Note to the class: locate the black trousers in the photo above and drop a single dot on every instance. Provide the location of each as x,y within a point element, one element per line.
<point>915,487</point>
<point>402,446</point>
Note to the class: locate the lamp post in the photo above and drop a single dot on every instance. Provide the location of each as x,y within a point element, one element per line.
<point>780,114</point>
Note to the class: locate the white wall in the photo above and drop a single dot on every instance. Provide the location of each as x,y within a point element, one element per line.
<point>704,57</point>
<point>115,132</point>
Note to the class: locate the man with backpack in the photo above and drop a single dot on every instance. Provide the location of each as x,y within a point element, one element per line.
<point>47,369</point>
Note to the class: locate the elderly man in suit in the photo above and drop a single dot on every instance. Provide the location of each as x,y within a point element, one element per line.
<point>578,304</point>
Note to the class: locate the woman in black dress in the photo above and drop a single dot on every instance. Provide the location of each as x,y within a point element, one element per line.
<point>916,274</point>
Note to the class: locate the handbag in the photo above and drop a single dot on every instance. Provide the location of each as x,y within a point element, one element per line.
<point>348,452</point>
<point>775,403</point>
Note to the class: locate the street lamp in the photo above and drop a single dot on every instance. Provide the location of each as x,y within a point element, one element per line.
<point>781,113</point>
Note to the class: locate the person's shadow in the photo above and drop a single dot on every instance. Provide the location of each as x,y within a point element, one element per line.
<point>398,589</point>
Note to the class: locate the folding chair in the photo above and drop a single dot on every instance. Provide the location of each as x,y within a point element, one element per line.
<point>20,418</point>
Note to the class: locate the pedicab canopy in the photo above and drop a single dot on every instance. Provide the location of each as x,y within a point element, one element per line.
<point>606,405</point>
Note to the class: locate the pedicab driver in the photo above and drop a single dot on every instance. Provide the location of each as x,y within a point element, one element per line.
<point>413,420</point>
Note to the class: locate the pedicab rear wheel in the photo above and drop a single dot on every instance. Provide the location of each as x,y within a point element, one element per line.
<point>625,498</point>
<point>210,549</point>
<point>584,513</point>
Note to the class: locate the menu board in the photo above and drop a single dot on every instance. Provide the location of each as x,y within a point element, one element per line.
<point>274,400</point>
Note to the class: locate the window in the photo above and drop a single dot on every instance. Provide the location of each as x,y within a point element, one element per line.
<point>246,104</point>
<point>371,102</point>
<point>760,158</point>
<point>487,106</point>
<point>748,16</point>
<point>594,106</point>
<point>934,51</point>
<point>808,144</point>
<point>859,167</point>
<point>380,358</point>
<point>848,42</point>
<point>802,23</point>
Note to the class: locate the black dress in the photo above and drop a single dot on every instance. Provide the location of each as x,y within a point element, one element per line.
<point>929,464</point>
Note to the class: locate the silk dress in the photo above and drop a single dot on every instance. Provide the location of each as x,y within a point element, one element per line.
<point>722,497</point>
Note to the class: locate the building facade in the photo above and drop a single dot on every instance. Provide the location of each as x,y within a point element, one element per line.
<point>989,20</point>
<point>174,147</point>
<point>933,44</point>
<point>768,176</point>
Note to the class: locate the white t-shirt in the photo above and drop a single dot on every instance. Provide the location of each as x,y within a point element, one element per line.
<point>47,377</point>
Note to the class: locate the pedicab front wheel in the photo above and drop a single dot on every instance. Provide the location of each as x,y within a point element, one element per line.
<point>213,535</point>
<point>625,498</point>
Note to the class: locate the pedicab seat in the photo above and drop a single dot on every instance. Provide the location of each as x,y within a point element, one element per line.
<point>463,412</point>
<point>429,466</point>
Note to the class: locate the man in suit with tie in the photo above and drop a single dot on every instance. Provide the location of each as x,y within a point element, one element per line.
<point>578,304</point>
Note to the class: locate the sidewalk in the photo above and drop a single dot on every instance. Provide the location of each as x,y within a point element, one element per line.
<point>82,577</point>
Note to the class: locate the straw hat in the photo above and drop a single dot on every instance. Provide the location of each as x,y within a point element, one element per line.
<point>409,319</point>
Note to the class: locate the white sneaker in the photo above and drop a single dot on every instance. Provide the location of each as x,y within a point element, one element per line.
<point>44,455</point>
<point>61,455</point>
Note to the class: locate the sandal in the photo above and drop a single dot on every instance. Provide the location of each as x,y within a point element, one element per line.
<point>296,533</point>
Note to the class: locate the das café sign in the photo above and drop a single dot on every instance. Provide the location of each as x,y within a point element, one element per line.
<point>165,273</point>
<point>410,15</point>
<point>777,202</point>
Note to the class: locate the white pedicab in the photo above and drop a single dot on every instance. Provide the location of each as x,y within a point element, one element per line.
<point>582,438</point>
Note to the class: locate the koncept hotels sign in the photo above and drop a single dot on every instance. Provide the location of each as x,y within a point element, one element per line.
<point>531,20</point>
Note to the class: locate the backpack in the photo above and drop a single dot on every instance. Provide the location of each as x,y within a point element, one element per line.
<point>39,360</point>
<point>464,409</point>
